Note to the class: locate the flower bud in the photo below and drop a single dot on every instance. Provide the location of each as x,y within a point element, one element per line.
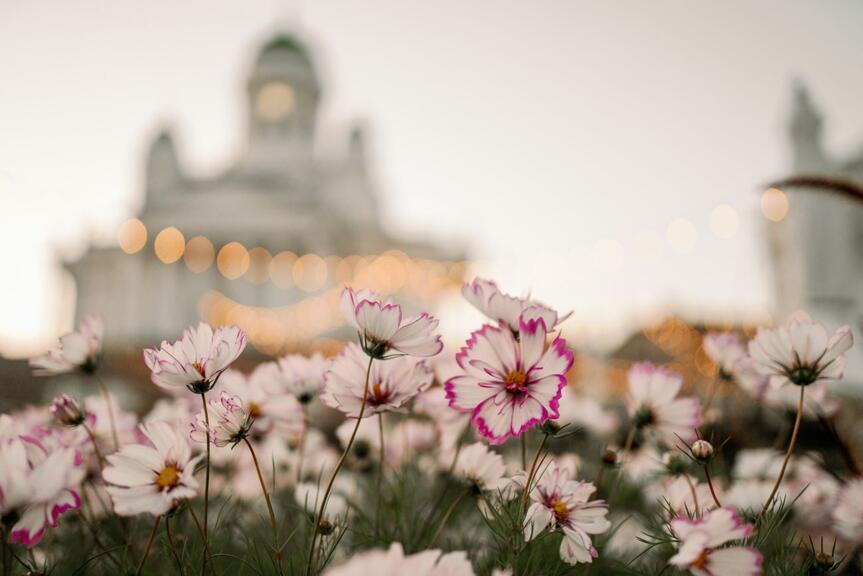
<point>702,450</point>
<point>67,411</point>
<point>609,457</point>
<point>675,463</point>
<point>325,527</point>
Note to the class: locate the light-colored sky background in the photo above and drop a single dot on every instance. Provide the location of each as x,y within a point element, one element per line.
<point>557,138</point>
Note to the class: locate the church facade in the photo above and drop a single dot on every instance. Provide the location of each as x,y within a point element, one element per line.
<point>267,243</point>
<point>817,249</point>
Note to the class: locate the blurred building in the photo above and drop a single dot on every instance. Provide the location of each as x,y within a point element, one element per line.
<point>265,244</point>
<point>816,239</point>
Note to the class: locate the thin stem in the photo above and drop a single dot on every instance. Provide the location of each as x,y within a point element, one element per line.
<point>207,477</point>
<point>380,467</point>
<point>173,545</point>
<point>95,446</point>
<point>95,533</point>
<point>624,456</point>
<point>710,484</point>
<point>302,448</point>
<point>532,472</point>
<point>523,451</point>
<point>203,538</point>
<point>788,453</point>
<point>446,516</point>
<point>694,494</point>
<point>310,568</point>
<point>458,447</point>
<point>714,388</point>
<point>269,504</point>
<point>149,545</point>
<point>107,396</point>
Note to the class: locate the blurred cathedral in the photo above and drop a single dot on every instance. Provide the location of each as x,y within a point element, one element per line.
<point>267,243</point>
<point>817,249</point>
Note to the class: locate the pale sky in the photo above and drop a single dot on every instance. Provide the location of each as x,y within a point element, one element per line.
<point>557,140</point>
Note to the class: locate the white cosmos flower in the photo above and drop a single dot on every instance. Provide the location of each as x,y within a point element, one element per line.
<point>654,405</point>
<point>725,349</point>
<point>302,376</point>
<point>392,383</point>
<point>196,361</point>
<point>267,403</point>
<point>383,330</point>
<point>561,503</point>
<point>700,540</point>
<point>486,297</point>
<point>38,483</point>
<point>480,466</point>
<point>152,478</point>
<point>848,512</point>
<point>394,562</point>
<point>75,351</point>
<point>229,421</point>
<point>801,353</point>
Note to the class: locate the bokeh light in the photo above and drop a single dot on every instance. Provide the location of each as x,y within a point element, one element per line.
<point>199,254</point>
<point>681,235</point>
<point>233,260</point>
<point>282,269</point>
<point>310,272</point>
<point>608,254</point>
<point>274,101</point>
<point>259,265</point>
<point>132,236</point>
<point>774,204</point>
<point>169,245</point>
<point>724,221</point>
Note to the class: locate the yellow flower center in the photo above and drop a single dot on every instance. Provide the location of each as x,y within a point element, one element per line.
<point>198,368</point>
<point>168,477</point>
<point>701,561</point>
<point>515,379</point>
<point>379,395</point>
<point>254,410</point>
<point>561,512</point>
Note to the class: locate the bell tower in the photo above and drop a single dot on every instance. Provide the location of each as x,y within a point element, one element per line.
<point>283,93</point>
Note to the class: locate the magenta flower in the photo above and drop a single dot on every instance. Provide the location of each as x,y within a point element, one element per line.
<point>382,329</point>
<point>196,360</point>
<point>509,385</point>
<point>486,297</point>
<point>391,384</point>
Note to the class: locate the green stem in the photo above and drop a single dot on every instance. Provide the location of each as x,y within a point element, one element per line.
<point>209,555</point>
<point>710,484</point>
<point>311,565</point>
<point>173,545</point>
<point>275,526</point>
<point>95,447</point>
<point>624,456</point>
<point>149,545</point>
<point>446,516</point>
<point>110,407</point>
<point>207,477</point>
<point>788,453</point>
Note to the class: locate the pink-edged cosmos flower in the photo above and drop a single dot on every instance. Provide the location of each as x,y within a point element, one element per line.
<point>655,407</point>
<point>197,359</point>
<point>79,350</point>
<point>152,478</point>
<point>382,329</point>
<point>302,376</point>
<point>481,467</point>
<point>37,485</point>
<point>801,353</point>
<point>700,540</point>
<point>561,503</point>
<point>229,421</point>
<point>394,562</point>
<point>486,297</point>
<point>725,349</point>
<point>510,384</point>
<point>269,405</point>
<point>391,384</point>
